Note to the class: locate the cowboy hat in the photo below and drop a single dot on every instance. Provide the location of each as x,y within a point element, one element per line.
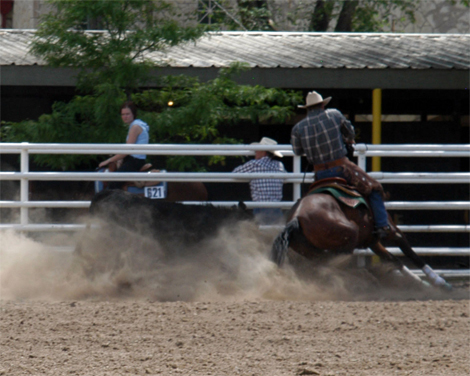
<point>314,98</point>
<point>269,141</point>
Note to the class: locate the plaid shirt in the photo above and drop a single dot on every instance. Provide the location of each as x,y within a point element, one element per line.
<point>264,189</point>
<point>319,135</point>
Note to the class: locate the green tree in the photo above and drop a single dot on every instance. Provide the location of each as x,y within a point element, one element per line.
<point>254,15</point>
<point>199,110</point>
<point>345,15</point>
<point>319,15</point>
<point>197,113</point>
<point>248,15</point>
<point>118,56</point>
<point>357,15</point>
<point>87,118</point>
<point>112,65</point>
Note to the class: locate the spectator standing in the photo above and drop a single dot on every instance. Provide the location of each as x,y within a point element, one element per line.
<point>265,190</point>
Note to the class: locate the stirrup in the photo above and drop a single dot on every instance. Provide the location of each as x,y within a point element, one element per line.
<point>383,232</point>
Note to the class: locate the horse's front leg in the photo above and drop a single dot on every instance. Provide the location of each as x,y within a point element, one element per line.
<point>386,256</point>
<point>405,247</point>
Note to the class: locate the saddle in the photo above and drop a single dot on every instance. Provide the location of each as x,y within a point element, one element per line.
<point>340,190</point>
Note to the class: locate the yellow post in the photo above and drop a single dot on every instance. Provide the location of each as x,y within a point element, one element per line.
<point>376,124</point>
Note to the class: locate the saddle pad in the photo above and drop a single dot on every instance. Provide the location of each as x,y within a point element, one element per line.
<point>340,195</point>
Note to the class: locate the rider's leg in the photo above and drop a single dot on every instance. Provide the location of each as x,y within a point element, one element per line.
<point>129,164</point>
<point>380,213</point>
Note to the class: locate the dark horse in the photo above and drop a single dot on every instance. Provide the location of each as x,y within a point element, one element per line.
<point>332,219</point>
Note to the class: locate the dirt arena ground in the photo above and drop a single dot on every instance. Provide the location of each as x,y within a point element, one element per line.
<point>227,311</point>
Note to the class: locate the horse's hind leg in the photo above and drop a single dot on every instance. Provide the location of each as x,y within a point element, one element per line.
<point>282,242</point>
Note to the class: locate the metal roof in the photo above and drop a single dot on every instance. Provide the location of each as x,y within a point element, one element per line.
<point>324,50</point>
<point>284,51</point>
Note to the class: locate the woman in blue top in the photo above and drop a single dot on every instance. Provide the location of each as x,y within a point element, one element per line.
<point>138,134</point>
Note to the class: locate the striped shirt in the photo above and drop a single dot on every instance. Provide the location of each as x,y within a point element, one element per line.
<point>264,189</point>
<point>319,135</point>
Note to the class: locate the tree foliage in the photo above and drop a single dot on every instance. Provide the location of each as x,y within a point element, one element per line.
<point>316,15</point>
<point>134,28</point>
<point>358,15</point>
<point>323,15</point>
<point>87,118</point>
<point>254,15</point>
<point>112,67</point>
<point>198,112</point>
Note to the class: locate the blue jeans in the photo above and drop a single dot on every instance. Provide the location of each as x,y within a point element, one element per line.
<point>129,164</point>
<point>375,198</point>
<point>378,209</point>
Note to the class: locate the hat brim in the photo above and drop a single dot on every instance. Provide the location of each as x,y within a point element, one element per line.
<point>275,152</point>
<point>324,101</point>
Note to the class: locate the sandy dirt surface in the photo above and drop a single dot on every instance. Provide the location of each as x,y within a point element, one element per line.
<point>224,311</point>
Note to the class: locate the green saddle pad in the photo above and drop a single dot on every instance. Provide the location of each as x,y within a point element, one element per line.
<point>343,197</point>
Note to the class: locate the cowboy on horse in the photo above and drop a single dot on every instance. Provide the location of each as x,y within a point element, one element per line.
<point>332,219</point>
<point>323,136</point>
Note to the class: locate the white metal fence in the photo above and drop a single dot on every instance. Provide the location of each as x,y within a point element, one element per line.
<point>362,151</point>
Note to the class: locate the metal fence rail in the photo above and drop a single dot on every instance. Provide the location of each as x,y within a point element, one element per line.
<point>362,151</point>
<point>296,178</point>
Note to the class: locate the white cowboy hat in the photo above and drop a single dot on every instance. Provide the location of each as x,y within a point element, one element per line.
<point>269,141</point>
<point>314,98</point>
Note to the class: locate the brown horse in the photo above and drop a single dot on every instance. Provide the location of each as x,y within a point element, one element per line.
<point>336,220</point>
<point>176,191</point>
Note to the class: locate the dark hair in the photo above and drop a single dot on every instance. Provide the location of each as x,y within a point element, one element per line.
<point>131,106</point>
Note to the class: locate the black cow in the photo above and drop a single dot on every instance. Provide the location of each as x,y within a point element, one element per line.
<point>140,239</point>
<point>167,222</point>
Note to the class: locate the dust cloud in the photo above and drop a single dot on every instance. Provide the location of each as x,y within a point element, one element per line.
<point>116,263</point>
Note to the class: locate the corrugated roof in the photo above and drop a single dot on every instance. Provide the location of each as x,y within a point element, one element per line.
<point>291,50</point>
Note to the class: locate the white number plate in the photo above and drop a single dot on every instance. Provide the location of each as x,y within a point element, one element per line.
<point>156,191</point>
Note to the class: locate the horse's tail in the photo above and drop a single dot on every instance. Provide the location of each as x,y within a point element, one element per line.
<point>282,242</point>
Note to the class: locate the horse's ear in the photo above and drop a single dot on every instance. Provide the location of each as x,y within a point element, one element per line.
<point>241,205</point>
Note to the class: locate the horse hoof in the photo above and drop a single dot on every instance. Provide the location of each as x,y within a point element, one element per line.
<point>447,287</point>
<point>426,284</point>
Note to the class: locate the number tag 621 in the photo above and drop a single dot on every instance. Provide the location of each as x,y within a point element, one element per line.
<point>156,191</point>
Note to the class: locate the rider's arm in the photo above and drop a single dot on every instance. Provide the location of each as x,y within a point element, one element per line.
<point>347,130</point>
<point>131,139</point>
<point>295,141</point>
